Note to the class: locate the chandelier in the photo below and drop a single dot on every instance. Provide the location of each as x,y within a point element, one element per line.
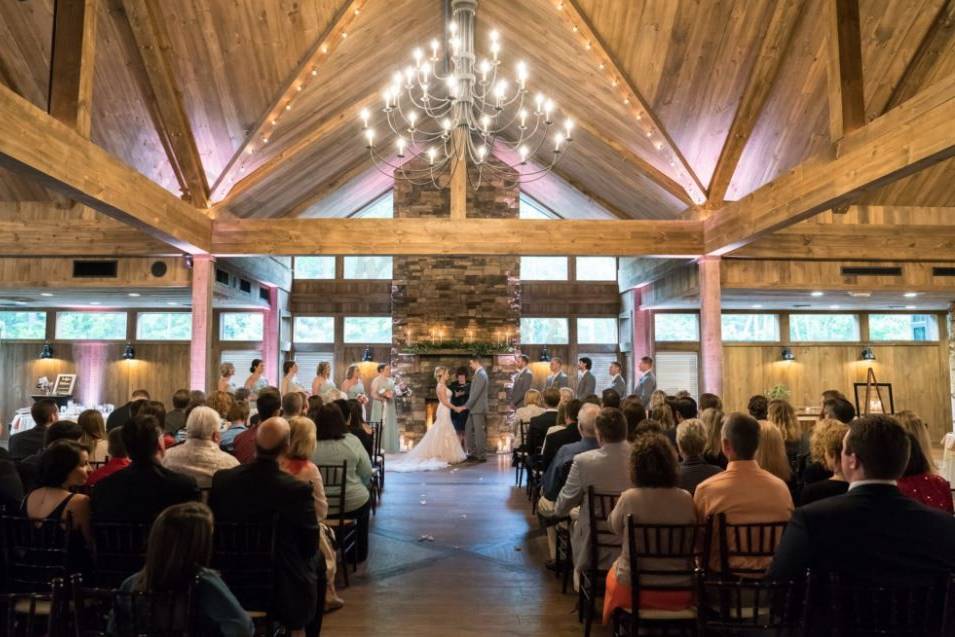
<point>443,121</point>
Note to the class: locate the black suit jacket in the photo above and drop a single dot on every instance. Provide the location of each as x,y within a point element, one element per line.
<point>26,443</point>
<point>139,493</point>
<point>537,430</point>
<point>557,440</point>
<point>118,417</point>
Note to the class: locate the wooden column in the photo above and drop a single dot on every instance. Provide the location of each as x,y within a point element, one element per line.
<point>71,66</point>
<point>270,338</point>
<point>951,360</point>
<point>200,348</point>
<point>642,326</point>
<point>459,177</point>
<point>711,336</point>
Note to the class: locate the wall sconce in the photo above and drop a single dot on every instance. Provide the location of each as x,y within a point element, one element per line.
<point>545,355</point>
<point>47,351</point>
<point>367,356</point>
<point>788,354</point>
<point>868,354</point>
<point>128,352</point>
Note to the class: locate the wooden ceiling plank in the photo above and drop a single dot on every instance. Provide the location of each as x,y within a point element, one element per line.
<point>336,31</point>
<point>174,128</point>
<point>938,39</point>
<point>342,177</point>
<point>39,146</point>
<point>762,78</point>
<point>846,94</point>
<point>71,67</point>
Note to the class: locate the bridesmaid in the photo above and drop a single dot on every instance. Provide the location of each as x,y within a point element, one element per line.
<point>355,388</point>
<point>383,408</point>
<point>289,384</point>
<point>226,372</point>
<point>322,384</point>
<point>256,380</point>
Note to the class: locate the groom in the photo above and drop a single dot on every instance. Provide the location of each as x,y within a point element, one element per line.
<point>476,406</point>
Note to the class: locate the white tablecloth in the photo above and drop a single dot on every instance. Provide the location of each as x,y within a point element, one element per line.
<point>23,421</point>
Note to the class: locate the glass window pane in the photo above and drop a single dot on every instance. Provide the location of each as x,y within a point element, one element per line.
<point>903,327</point>
<point>367,267</point>
<point>750,327</point>
<point>596,268</point>
<point>381,208</point>
<point>544,268</point>
<point>240,326</point>
<point>676,327</point>
<point>22,325</point>
<point>314,268</point>
<point>544,331</point>
<point>94,326</point>
<point>314,329</point>
<point>823,327</point>
<point>164,326</point>
<point>367,329</point>
<point>597,331</point>
<point>530,209</point>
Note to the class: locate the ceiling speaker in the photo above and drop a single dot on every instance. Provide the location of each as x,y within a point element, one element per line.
<point>158,269</point>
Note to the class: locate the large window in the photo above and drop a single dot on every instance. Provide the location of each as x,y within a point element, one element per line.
<point>367,267</point>
<point>903,327</point>
<point>750,327</point>
<point>240,326</point>
<point>164,326</point>
<point>823,327</point>
<point>22,326</point>
<point>314,267</point>
<point>528,208</point>
<point>91,326</point>
<point>314,329</point>
<point>597,331</point>
<point>367,329</point>
<point>381,208</point>
<point>544,331</point>
<point>676,327</point>
<point>544,268</point>
<point>596,268</point>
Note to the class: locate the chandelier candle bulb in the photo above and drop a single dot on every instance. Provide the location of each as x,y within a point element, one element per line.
<point>481,153</point>
<point>558,140</point>
<point>370,137</point>
<point>523,150</point>
<point>568,128</point>
<point>364,118</point>
<point>523,116</point>
<point>401,143</point>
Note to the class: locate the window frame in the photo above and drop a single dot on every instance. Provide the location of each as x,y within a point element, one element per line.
<point>334,276</point>
<point>616,267</point>
<point>939,328</point>
<point>858,320</point>
<point>656,338</point>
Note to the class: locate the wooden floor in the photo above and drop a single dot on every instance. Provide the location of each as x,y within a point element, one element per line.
<point>482,574</point>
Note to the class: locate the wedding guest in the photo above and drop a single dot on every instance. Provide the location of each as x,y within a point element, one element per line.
<point>293,405</point>
<point>11,487</point>
<point>539,425</point>
<point>460,391</point>
<point>117,458</point>
<point>586,381</point>
<point>557,378</point>
<point>94,434</point>
<point>782,414</point>
<point>197,398</point>
<point>200,456</point>
<point>920,483</point>
<point>713,450</point>
<point>710,401</point>
<point>119,416</point>
<point>523,380</point>
<point>561,421</point>
<point>634,412</point>
<point>917,427</point>
<point>383,409</point>
<point>826,448</point>
<point>289,384</point>
<point>617,381</point>
<point>238,418</point>
<point>256,381</point>
<point>341,402</point>
<point>26,443</point>
<point>610,398</point>
<point>29,467</point>
<point>771,452</point>
<point>176,418</point>
<point>225,384</point>
<point>533,406</point>
<point>691,441</point>
<point>357,426</point>
<point>839,408</point>
<point>647,384</point>
<point>570,433</point>
<point>658,398</point>
<point>222,403</point>
<point>663,414</point>
<point>268,403</point>
<point>758,407</point>
<point>322,384</point>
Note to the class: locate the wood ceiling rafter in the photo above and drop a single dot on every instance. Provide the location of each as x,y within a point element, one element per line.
<point>571,13</point>
<point>844,69</point>
<point>336,31</point>
<point>72,62</point>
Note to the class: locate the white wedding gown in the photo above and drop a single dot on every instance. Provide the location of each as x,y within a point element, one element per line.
<point>439,448</point>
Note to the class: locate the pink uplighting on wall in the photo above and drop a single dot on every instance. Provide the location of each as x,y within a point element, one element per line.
<point>91,360</point>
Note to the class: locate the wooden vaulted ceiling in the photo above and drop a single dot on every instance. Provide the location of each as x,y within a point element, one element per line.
<point>691,62</point>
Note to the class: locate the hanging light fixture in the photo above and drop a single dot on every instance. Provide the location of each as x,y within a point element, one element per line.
<point>545,355</point>
<point>367,356</point>
<point>788,354</point>
<point>128,352</point>
<point>868,354</point>
<point>47,351</point>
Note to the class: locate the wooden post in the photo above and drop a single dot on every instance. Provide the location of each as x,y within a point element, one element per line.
<point>642,327</point>
<point>846,103</point>
<point>200,347</point>
<point>459,176</point>
<point>71,66</point>
<point>270,338</point>
<point>951,358</point>
<point>711,335</point>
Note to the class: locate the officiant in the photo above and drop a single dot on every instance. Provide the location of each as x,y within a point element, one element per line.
<point>460,390</point>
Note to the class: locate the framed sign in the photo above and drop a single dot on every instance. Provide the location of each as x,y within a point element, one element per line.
<point>64,385</point>
<point>874,398</point>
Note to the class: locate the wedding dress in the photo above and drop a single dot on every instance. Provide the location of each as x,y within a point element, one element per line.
<point>440,446</point>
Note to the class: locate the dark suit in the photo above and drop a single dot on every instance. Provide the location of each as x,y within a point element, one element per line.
<point>693,471</point>
<point>26,443</point>
<point>558,439</point>
<point>119,416</point>
<point>140,492</point>
<point>537,430</point>
<point>259,492</point>
<point>11,489</point>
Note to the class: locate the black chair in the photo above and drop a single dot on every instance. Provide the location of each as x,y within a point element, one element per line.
<point>377,457</point>
<point>101,611</point>
<point>593,579</point>
<point>345,527</point>
<point>519,456</point>
<point>244,554</point>
<point>754,540</point>
<point>740,606</point>
<point>680,545</point>
<point>864,607</point>
<point>120,551</point>
<point>28,614</point>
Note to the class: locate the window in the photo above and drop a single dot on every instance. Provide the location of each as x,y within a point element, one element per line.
<point>625,330</point>
<point>676,327</point>
<point>91,326</point>
<point>903,327</point>
<point>544,268</point>
<point>596,268</point>
<point>544,331</point>
<point>823,327</point>
<point>381,208</point>
<point>597,331</point>
<point>528,208</point>
<point>314,329</point>
<point>314,268</point>
<point>240,326</point>
<point>677,371</point>
<point>164,326</point>
<point>367,267</point>
<point>367,329</point>
<point>23,326</point>
<point>750,327</point>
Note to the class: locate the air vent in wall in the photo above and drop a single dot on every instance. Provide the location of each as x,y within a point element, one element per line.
<point>245,286</point>
<point>264,293</point>
<point>871,271</point>
<point>222,277</point>
<point>94,269</point>
<point>943,271</point>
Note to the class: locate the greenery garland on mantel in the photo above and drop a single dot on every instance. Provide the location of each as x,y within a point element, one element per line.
<point>457,347</point>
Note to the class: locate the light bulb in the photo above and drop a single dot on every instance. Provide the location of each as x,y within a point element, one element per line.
<point>500,90</point>
<point>495,49</point>
<point>485,122</point>
<point>431,153</point>
<point>523,115</point>
<point>364,117</point>
<point>401,143</point>
<point>453,28</point>
<point>548,107</point>
<point>409,74</point>
<point>370,137</point>
<point>413,119</point>
<point>568,127</point>
<point>417,54</point>
<point>495,36</point>
<point>426,69</point>
<point>446,125</point>
<point>397,78</point>
<point>524,151</point>
<point>435,45</point>
<point>481,153</point>
<point>558,140</point>
<point>521,73</point>
<point>539,101</point>
<point>484,67</point>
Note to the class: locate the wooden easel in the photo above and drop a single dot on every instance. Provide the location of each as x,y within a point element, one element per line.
<point>870,386</point>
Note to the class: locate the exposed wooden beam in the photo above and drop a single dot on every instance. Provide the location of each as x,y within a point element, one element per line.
<point>152,40</point>
<point>35,144</point>
<point>635,272</point>
<point>336,31</point>
<point>846,100</point>
<point>859,242</point>
<point>263,269</point>
<point>916,134</point>
<point>570,11</point>
<point>458,184</point>
<point>939,39</point>
<point>456,236</point>
<point>761,79</point>
<point>71,66</point>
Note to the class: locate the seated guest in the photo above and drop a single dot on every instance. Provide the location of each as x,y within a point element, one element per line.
<point>200,456</point>
<point>293,404</point>
<point>336,445</point>
<point>259,492</point>
<point>94,434</point>
<point>238,418</point>
<point>693,469</point>
<point>26,443</point>
<point>117,458</point>
<point>663,414</point>
<point>634,412</point>
<point>314,403</point>
<point>340,400</point>
<point>657,398</point>
<point>920,483</point>
<point>197,398</point>
<point>533,406</point>
<point>874,528</point>
<point>570,433</point>
<point>654,499</point>
<point>222,402</point>
<point>771,453</point>
<point>783,416</point>
<point>826,448</point>
<point>268,402</point>
<point>587,427</point>
<point>537,430</point>
<point>684,408</point>
<point>29,467</point>
<point>178,554</point>
<point>710,401</point>
<point>610,398</point>
<point>121,415</point>
<point>917,427</point>
<point>357,426</point>
<point>647,427</point>
<point>838,408</point>
<point>744,492</point>
<point>142,490</point>
<point>713,451</point>
<point>176,419</point>
<point>561,421</point>
<point>606,470</point>
<point>758,407</point>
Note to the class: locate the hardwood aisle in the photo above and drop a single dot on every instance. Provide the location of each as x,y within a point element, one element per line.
<point>481,575</point>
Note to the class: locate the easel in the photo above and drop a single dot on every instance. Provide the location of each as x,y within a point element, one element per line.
<point>871,384</point>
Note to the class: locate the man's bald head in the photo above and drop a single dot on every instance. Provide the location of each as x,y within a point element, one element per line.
<point>271,437</point>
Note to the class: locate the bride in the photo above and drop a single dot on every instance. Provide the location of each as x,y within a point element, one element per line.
<point>440,445</point>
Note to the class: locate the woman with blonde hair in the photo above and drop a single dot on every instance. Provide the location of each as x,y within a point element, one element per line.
<point>657,398</point>
<point>782,414</point>
<point>531,409</point>
<point>713,450</point>
<point>771,452</point>
<point>663,415</point>
<point>94,435</point>
<point>354,387</point>
<point>825,446</point>
<point>566,395</point>
<point>226,372</point>
<point>322,384</point>
<point>917,427</point>
<point>440,445</point>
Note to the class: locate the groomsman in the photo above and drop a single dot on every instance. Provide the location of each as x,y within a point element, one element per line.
<point>586,381</point>
<point>617,382</point>
<point>557,377</point>
<point>522,381</point>
<point>648,382</point>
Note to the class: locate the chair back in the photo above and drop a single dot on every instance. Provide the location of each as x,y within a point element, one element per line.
<point>602,539</point>
<point>864,607</point>
<point>749,606</point>
<point>35,552</point>
<point>665,553</point>
<point>753,540</point>
<point>522,430</point>
<point>244,554</point>
<point>376,430</point>
<point>31,614</point>
<point>333,476</point>
<point>101,611</point>
<point>120,551</point>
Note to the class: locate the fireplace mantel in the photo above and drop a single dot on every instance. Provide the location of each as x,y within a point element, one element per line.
<point>440,353</point>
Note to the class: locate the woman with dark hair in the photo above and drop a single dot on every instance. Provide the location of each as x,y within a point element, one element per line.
<point>289,382</point>
<point>919,483</point>
<point>178,554</point>
<point>356,424</point>
<point>460,391</point>
<point>256,381</point>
